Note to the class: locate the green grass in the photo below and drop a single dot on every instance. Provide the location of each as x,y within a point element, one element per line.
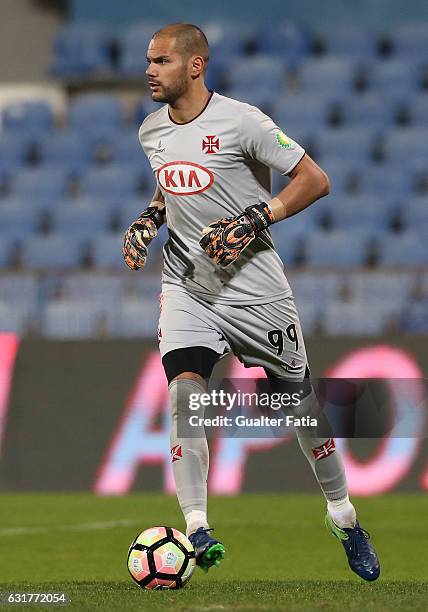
<point>279,555</point>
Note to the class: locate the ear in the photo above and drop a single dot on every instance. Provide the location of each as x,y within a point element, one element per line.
<point>197,66</point>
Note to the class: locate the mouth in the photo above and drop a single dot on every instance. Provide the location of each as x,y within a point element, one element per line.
<point>153,86</point>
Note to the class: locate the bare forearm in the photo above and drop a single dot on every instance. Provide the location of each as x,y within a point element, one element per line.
<point>158,199</point>
<point>308,184</point>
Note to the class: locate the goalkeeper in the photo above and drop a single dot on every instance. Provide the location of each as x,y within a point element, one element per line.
<point>223,284</point>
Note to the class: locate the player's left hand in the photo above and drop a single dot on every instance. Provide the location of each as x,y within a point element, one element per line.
<point>225,240</point>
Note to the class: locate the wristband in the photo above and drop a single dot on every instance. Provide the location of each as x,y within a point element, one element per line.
<point>157,215</point>
<point>260,216</point>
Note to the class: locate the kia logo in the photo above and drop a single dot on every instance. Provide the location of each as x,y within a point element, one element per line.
<point>184,178</point>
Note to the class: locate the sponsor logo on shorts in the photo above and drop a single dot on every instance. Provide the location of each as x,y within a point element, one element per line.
<point>184,178</point>
<point>282,140</point>
<point>324,450</point>
<point>176,453</point>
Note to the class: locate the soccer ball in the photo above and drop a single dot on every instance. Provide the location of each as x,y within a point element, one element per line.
<point>161,558</point>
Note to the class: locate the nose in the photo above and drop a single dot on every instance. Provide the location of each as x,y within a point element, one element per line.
<point>151,70</point>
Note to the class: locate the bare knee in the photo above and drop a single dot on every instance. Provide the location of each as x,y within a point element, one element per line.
<point>191,376</point>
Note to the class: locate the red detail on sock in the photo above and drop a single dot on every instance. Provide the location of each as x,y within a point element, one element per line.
<point>176,453</point>
<point>324,450</point>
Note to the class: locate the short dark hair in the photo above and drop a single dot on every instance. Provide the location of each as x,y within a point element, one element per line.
<point>190,40</point>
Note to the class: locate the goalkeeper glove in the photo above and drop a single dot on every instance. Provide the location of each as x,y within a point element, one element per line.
<point>224,240</point>
<point>139,234</point>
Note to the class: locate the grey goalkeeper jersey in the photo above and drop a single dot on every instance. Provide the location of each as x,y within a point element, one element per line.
<point>212,167</point>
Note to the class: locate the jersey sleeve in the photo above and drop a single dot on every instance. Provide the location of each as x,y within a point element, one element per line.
<point>263,140</point>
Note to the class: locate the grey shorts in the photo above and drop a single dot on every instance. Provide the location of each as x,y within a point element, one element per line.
<point>266,335</point>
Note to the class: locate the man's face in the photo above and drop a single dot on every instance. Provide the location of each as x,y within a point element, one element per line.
<point>167,73</point>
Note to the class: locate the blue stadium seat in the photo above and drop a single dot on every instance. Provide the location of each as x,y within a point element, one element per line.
<point>395,79</point>
<point>112,182</point>
<point>19,289</point>
<point>18,220</point>
<point>360,319</point>
<point>414,213</point>
<point>81,49</point>
<point>358,211</point>
<point>55,251</point>
<point>287,241</point>
<point>309,316</point>
<point>83,222</point>
<point>403,145</point>
<point>414,318</point>
<point>93,111</point>
<point>6,252</point>
<point>346,143</point>
<point>134,42</point>
<point>28,117</point>
<point>145,107</point>
<point>337,248</point>
<point>14,149</point>
<point>381,286</point>
<point>226,39</point>
<point>387,181</point>
<point>107,252</point>
<point>418,109</point>
<point>410,40</point>
<point>327,75</point>
<point>301,111</point>
<point>343,173</point>
<point>13,319</point>
<point>76,319</point>
<point>368,110</point>
<point>93,287</point>
<point>65,148</point>
<point>405,249</point>
<point>138,318</point>
<point>315,287</point>
<point>256,96</point>
<point>286,38</point>
<point>48,183</point>
<point>258,72</point>
<point>353,41</point>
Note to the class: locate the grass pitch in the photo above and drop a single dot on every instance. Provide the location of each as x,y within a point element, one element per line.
<point>279,555</point>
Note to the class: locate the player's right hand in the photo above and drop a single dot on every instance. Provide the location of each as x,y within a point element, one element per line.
<point>138,236</point>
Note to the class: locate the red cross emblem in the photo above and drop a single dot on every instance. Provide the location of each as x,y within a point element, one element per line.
<point>210,144</point>
<point>319,452</point>
<point>176,453</point>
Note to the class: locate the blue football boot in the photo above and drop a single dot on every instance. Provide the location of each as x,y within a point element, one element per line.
<point>208,551</point>
<point>362,557</point>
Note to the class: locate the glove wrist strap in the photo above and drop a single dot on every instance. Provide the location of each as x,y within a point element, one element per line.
<point>157,215</point>
<point>260,216</point>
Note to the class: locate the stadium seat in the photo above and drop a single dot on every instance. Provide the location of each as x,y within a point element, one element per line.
<point>256,96</point>
<point>360,319</point>
<point>343,174</point>
<point>387,180</point>
<point>372,212</point>
<point>6,252</point>
<point>144,107</point>
<point>409,40</point>
<point>112,182</point>
<point>83,221</point>
<point>93,287</point>
<point>48,183</point>
<point>14,149</point>
<point>13,319</point>
<point>226,39</point>
<point>18,220</point>
<point>28,118</point>
<point>414,213</point>
<point>286,38</point>
<point>287,241</point>
<point>315,287</point>
<point>414,318</point>
<point>301,110</point>
<point>107,252</point>
<point>394,79</point>
<point>346,143</point>
<point>353,41</point>
<point>327,75</point>
<point>412,140</point>
<point>418,110</point>
<point>263,72</point>
<point>405,249</point>
<point>19,289</point>
<point>381,286</point>
<point>55,251</point>
<point>368,110</point>
<point>309,316</point>
<point>88,112</point>
<point>337,248</point>
<point>133,44</point>
<point>64,148</point>
<point>81,49</point>
<point>76,319</point>
<point>138,318</point>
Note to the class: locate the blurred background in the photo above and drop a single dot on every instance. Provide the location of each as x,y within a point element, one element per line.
<point>349,81</point>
